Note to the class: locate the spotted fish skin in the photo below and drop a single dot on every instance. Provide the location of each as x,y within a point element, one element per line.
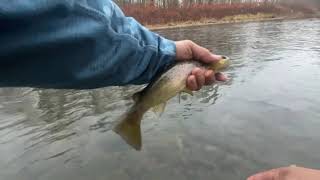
<point>164,87</point>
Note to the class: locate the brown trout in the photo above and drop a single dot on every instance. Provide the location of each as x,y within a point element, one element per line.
<point>156,94</point>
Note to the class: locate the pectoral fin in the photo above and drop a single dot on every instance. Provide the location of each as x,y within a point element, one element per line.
<point>188,91</point>
<point>136,96</point>
<point>159,109</point>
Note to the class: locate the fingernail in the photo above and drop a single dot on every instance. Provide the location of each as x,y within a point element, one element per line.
<point>195,70</point>
<point>250,178</point>
<point>221,77</point>
<point>216,57</point>
<point>226,78</point>
<point>254,177</point>
<point>209,73</point>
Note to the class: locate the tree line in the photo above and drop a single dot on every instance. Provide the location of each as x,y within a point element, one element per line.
<point>170,11</point>
<point>175,3</point>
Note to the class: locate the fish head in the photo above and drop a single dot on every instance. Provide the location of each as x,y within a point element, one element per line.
<point>220,65</point>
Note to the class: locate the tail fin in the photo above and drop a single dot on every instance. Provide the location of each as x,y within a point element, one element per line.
<point>129,128</point>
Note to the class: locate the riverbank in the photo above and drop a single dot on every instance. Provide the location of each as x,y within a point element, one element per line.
<point>229,19</point>
<point>213,21</point>
<point>155,17</point>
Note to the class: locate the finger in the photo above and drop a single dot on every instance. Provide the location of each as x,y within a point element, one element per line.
<point>195,71</point>
<point>203,54</point>
<point>220,77</point>
<point>200,78</point>
<point>192,83</point>
<point>264,176</point>
<point>210,77</point>
<point>275,174</point>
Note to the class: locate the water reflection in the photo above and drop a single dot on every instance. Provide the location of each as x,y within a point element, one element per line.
<point>267,115</point>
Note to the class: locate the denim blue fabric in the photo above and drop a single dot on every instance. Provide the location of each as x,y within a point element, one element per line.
<point>77,44</point>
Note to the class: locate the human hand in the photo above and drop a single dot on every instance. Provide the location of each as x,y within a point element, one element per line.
<point>187,50</point>
<point>288,173</point>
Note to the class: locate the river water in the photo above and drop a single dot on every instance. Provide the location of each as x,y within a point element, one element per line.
<point>267,115</point>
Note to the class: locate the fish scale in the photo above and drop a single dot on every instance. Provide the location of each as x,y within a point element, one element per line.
<point>164,87</point>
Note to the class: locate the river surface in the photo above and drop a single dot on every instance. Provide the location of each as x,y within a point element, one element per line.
<point>267,115</point>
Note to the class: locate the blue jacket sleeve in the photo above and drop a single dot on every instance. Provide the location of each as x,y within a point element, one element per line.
<point>76,44</point>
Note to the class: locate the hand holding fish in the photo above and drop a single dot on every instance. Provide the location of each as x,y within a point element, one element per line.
<point>188,50</point>
<point>195,67</point>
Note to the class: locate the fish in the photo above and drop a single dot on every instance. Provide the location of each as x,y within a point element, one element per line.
<point>155,96</point>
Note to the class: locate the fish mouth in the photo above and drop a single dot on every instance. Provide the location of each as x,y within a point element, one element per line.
<point>222,64</point>
<point>225,58</point>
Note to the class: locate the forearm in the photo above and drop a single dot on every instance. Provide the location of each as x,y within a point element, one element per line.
<point>73,45</point>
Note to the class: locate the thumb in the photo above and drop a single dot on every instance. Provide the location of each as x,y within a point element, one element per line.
<point>204,55</point>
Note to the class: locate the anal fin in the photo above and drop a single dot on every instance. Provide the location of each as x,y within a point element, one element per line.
<point>159,109</point>
<point>188,91</point>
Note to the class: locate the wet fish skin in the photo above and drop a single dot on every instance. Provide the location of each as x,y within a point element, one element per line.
<point>166,86</point>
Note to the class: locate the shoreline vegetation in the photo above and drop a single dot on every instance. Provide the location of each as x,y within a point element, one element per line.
<point>157,17</point>
<point>260,17</point>
<point>227,20</point>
